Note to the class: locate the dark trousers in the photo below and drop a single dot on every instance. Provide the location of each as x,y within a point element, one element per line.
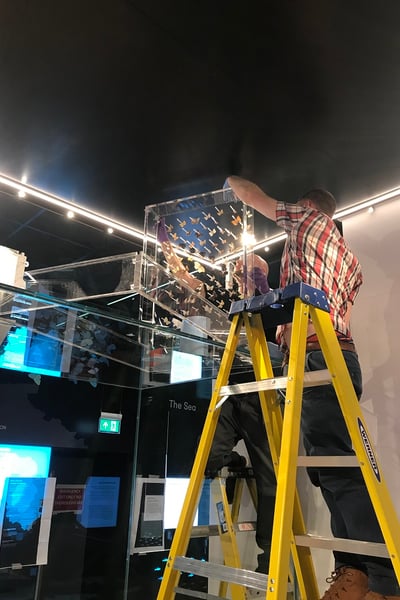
<point>241,418</point>
<point>343,489</point>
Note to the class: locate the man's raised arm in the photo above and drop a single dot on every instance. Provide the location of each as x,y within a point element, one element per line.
<point>249,193</point>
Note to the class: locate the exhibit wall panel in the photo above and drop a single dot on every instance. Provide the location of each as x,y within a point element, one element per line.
<point>375,238</point>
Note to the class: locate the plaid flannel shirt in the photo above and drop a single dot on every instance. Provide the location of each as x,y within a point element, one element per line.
<point>316,254</point>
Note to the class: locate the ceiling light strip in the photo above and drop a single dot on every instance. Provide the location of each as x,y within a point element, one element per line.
<point>23,189</point>
<point>74,209</point>
<point>70,206</point>
<point>358,207</point>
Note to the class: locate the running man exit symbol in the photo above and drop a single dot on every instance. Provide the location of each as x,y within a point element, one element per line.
<point>110,423</point>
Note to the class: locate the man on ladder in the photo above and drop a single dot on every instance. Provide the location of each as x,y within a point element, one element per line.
<point>316,254</point>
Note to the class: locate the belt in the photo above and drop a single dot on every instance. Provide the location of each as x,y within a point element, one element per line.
<point>348,346</point>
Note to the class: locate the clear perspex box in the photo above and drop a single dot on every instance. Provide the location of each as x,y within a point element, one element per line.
<point>191,251</point>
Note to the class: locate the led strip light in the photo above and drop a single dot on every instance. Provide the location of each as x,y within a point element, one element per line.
<point>24,189</point>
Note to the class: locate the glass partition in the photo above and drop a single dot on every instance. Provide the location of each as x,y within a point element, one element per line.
<point>42,335</point>
<point>110,362</point>
<point>66,365</point>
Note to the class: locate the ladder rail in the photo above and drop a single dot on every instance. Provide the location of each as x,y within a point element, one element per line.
<point>288,512</point>
<point>273,419</point>
<point>358,431</point>
<point>181,538</point>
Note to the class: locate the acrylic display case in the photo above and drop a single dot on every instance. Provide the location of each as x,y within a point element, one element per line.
<point>192,249</point>
<point>176,293</point>
<point>44,335</point>
<point>186,279</point>
<point>111,277</point>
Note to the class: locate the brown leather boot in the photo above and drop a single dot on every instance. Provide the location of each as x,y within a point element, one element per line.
<point>374,596</point>
<point>347,584</point>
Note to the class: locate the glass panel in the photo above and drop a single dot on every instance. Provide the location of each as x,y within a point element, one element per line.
<point>188,274</point>
<point>42,335</point>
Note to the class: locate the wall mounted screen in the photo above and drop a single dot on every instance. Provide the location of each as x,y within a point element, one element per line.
<point>185,367</point>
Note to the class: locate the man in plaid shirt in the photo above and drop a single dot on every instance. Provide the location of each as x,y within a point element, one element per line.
<point>315,253</point>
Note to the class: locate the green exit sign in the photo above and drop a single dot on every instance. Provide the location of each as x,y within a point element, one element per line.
<point>110,423</point>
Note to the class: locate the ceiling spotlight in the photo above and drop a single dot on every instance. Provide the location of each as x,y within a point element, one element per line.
<point>21,193</point>
<point>266,248</point>
<point>70,214</point>
<point>371,209</point>
<point>110,230</point>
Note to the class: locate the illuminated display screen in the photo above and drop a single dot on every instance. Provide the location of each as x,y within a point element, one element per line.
<point>175,491</point>
<point>31,353</point>
<point>23,490</point>
<point>35,340</point>
<point>185,367</point>
<point>23,461</point>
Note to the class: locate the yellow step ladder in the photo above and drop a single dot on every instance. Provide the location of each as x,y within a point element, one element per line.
<point>298,303</point>
<point>227,507</point>
<point>228,519</point>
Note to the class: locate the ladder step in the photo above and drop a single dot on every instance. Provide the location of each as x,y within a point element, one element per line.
<point>311,378</point>
<point>343,545</point>
<point>220,572</point>
<point>327,461</point>
<point>197,594</point>
<point>199,531</point>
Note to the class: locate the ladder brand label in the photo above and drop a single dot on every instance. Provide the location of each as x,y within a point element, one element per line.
<point>369,450</point>
<point>221,517</point>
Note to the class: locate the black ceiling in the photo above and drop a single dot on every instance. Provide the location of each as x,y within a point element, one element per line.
<point>117,104</point>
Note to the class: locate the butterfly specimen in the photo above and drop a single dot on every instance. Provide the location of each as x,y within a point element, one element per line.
<point>236,220</point>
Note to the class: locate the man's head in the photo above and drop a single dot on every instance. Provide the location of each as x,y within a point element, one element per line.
<point>319,199</point>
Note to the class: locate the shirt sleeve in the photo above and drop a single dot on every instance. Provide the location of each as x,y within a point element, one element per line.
<point>288,214</point>
<point>357,281</point>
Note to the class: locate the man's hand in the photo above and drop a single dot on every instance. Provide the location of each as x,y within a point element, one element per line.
<point>228,194</point>
<point>252,276</point>
<point>162,233</point>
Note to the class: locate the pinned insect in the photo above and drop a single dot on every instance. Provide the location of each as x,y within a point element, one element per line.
<point>237,220</point>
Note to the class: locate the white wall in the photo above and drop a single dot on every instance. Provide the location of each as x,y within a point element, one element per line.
<point>375,238</point>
